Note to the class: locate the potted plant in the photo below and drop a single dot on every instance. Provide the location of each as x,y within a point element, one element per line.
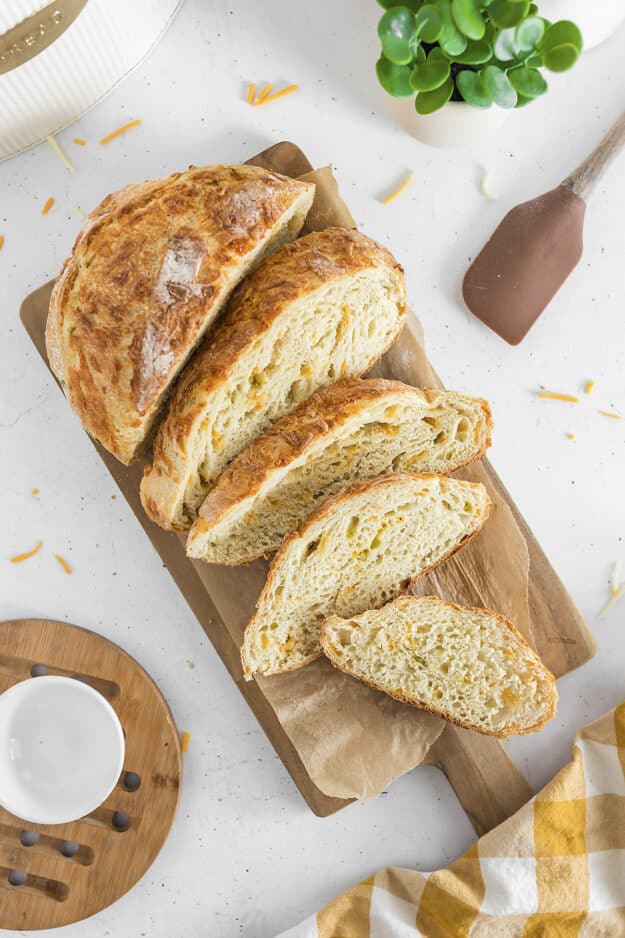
<point>469,62</point>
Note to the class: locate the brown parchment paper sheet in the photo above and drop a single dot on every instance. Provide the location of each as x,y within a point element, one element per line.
<point>352,740</point>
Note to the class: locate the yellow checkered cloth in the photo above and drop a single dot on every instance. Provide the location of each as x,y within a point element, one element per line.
<point>556,869</point>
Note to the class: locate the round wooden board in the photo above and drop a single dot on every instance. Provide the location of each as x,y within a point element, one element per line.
<point>114,846</point>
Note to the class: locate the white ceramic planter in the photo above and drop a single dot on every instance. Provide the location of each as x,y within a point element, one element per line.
<point>597,21</point>
<point>455,126</point>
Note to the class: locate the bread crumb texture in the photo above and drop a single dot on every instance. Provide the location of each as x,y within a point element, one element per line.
<point>470,666</point>
<point>359,550</point>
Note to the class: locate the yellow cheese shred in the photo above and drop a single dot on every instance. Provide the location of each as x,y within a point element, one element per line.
<point>120,130</point>
<point>34,491</point>
<point>251,91</point>
<point>184,742</point>
<point>551,396</point>
<point>589,387</point>
<point>612,601</point>
<point>484,187</point>
<point>79,141</point>
<point>52,141</point>
<point>399,190</point>
<point>613,416</point>
<point>1,242</point>
<point>48,205</point>
<point>614,582</point>
<point>263,94</point>
<point>269,98</point>
<point>570,436</point>
<point>63,563</point>
<point>31,553</point>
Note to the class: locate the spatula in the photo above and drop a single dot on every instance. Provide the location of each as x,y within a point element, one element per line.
<point>535,248</point>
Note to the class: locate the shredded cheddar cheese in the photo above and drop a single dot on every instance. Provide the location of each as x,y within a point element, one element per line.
<point>269,98</point>
<point>31,553</point>
<point>613,416</point>
<point>614,582</point>
<point>184,742</point>
<point>251,91</point>
<point>63,563</point>
<point>1,242</point>
<point>551,396</point>
<point>612,601</point>
<point>570,436</point>
<point>48,205</point>
<point>263,94</point>
<point>589,387</point>
<point>120,130</point>
<point>484,187</point>
<point>34,491</point>
<point>60,153</point>
<point>79,141</point>
<point>399,190</point>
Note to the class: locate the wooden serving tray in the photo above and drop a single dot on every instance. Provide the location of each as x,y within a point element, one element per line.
<point>487,783</point>
<point>73,870</point>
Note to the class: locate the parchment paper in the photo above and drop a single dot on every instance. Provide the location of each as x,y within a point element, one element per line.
<point>353,740</point>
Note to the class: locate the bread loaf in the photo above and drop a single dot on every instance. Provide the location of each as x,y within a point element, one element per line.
<point>470,666</point>
<point>350,431</point>
<point>358,550</point>
<point>149,272</point>
<point>322,308</point>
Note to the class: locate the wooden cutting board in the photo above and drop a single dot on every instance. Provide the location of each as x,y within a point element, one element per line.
<point>488,784</point>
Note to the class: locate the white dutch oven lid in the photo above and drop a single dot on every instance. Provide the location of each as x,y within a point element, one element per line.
<point>59,59</point>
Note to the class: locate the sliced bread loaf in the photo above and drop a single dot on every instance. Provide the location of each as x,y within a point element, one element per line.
<point>470,666</point>
<point>149,272</point>
<point>324,307</point>
<point>350,431</point>
<point>357,551</point>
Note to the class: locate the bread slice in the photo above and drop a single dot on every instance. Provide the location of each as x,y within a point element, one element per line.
<point>350,431</point>
<point>149,272</point>
<point>470,666</point>
<point>322,308</point>
<point>357,551</point>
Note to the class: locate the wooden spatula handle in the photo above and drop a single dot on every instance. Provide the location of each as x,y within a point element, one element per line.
<point>583,179</point>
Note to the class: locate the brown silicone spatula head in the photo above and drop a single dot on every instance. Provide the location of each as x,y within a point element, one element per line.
<point>535,248</point>
<point>526,261</point>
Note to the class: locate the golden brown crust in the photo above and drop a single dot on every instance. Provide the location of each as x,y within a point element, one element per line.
<point>295,271</point>
<point>351,491</point>
<point>326,410</point>
<point>148,273</point>
<point>513,729</point>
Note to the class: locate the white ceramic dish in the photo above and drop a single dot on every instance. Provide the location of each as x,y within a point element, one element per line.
<point>61,749</point>
<point>455,126</point>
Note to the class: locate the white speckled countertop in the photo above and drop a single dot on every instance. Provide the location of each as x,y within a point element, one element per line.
<point>245,855</point>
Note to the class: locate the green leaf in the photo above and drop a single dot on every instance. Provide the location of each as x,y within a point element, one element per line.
<point>428,101</point>
<point>430,74</point>
<point>472,89</point>
<point>535,61</point>
<point>521,101</point>
<point>505,13</point>
<point>529,33</point>
<point>396,29</point>
<point>429,24</point>
<point>468,18</point>
<point>451,39</point>
<point>418,52</point>
<point>505,45</point>
<point>498,85</point>
<point>562,33</point>
<point>411,4</point>
<point>527,81</point>
<point>395,79</point>
<point>561,58</point>
<point>476,53</point>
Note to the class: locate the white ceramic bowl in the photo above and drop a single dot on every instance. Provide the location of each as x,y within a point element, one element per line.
<point>597,21</point>
<point>455,126</point>
<point>61,749</point>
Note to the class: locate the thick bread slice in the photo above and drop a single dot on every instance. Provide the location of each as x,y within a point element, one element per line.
<point>149,272</point>
<point>350,431</point>
<point>322,308</point>
<point>470,666</point>
<point>357,551</point>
